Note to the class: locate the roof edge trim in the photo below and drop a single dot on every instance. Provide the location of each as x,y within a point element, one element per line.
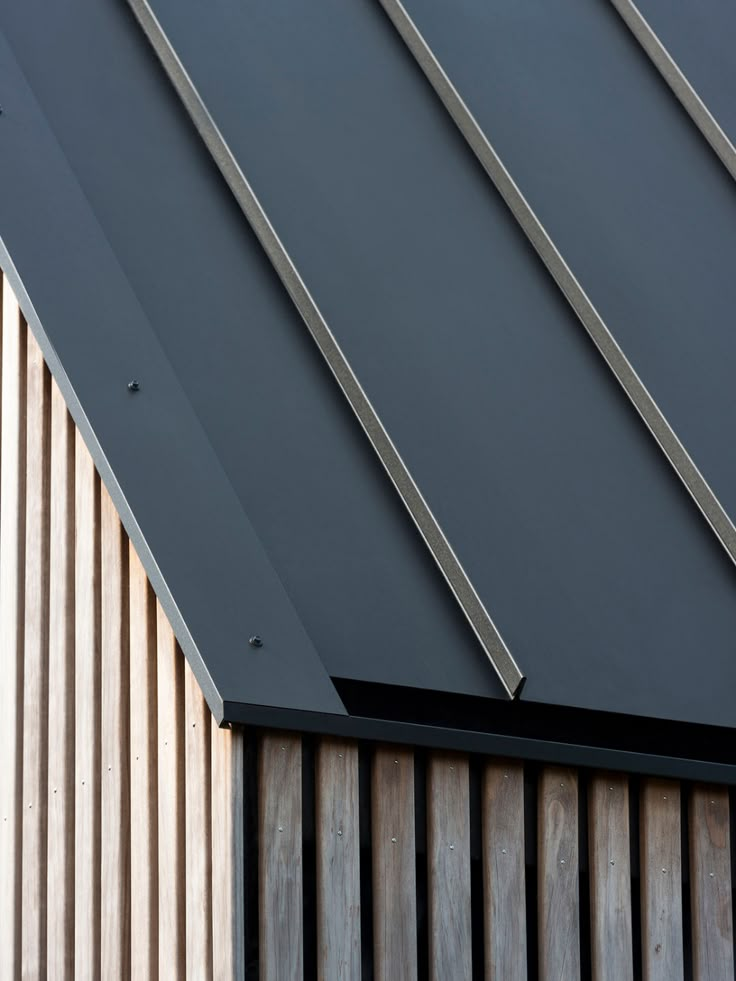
<point>470,602</point>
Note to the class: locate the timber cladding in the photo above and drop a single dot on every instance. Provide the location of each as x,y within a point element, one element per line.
<point>139,840</point>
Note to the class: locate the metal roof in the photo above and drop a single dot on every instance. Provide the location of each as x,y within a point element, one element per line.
<point>502,290</point>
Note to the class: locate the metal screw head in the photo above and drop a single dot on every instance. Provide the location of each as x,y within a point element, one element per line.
<point>134,386</point>
<point>256,641</point>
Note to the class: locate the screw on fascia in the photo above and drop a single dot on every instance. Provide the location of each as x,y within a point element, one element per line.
<point>256,641</point>
<point>134,386</point>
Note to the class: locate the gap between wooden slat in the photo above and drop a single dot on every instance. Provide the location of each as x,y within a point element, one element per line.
<point>394,865</point>
<point>171,853</point>
<point>115,744</point>
<point>35,663</point>
<point>87,718</point>
<point>280,863</point>
<point>12,576</point>
<point>710,884</point>
<point>504,883</point>
<point>60,873</point>
<point>338,860</point>
<point>558,877</point>
<point>661,880</point>
<point>143,774</point>
<point>198,817</point>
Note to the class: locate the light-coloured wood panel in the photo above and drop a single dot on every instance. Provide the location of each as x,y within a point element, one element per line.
<point>280,870</point>
<point>12,583</point>
<point>338,861</point>
<point>710,884</point>
<point>504,882</point>
<point>448,859</point>
<point>35,665</point>
<point>198,831</point>
<point>558,876</point>
<point>115,779</point>
<point>171,855</point>
<point>87,718</point>
<point>143,774</point>
<point>661,880</point>
<point>394,865</point>
<point>610,878</point>
<point>60,873</point>
<point>228,854</point>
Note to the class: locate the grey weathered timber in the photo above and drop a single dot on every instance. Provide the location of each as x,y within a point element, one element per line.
<point>170,759</point>
<point>394,865</point>
<point>610,877</point>
<point>35,663</point>
<point>60,873</point>
<point>558,875</point>
<point>710,884</point>
<point>280,857</point>
<point>661,888</point>
<point>198,821</point>
<point>228,853</point>
<point>338,861</point>
<point>115,736</point>
<point>448,860</point>
<point>12,576</point>
<point>504,886</point>
<point>144,829</point>
<point>87,919</point>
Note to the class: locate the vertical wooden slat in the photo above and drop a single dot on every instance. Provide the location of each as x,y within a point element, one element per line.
<point>280,858</point>
<point>338,861</point>
<point>448,856</point>
<point>710,884</point>
<point>171,855</point>
<point>198,831</point>
<point>143,774</point>
<point>87,718</point>
<point>504,885</point>
<point>60,875</point>
<point>115,745</point>
<point>394,866</point>
<point>35,666</point>
<point>610,878</point>
<point>228,854</point>
<point>12,576</point>
<point>661,880</point>
<point>558,888</point>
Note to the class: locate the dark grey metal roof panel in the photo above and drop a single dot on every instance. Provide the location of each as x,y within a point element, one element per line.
<point>700,39</point>
<point>544,479</point>
<point>630,192</point>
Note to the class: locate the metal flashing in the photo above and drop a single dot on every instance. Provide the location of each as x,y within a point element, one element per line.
<point>614,356</point>
<point>472,606</point>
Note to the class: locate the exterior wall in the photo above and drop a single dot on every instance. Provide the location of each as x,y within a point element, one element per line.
<point>137,839</point>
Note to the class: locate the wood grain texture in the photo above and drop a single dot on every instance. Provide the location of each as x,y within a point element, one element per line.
<point>558,885</point>
<point>228,853</point>
<point>448,859</point>
<point>198,816</point>
<point>661,880</point>
<point>504,882</point>
<point>87,718</point>
<point>281,927</point>
<point>609,862</point>
<point>115,843</point>
<point>143,774</point>
<point>394,865</point>
<point>171,853</point>
<point>60,872</point>
<point>710,884</point>
<point>35,665</point>
<point>12,585</point>
<point>338,861</point>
